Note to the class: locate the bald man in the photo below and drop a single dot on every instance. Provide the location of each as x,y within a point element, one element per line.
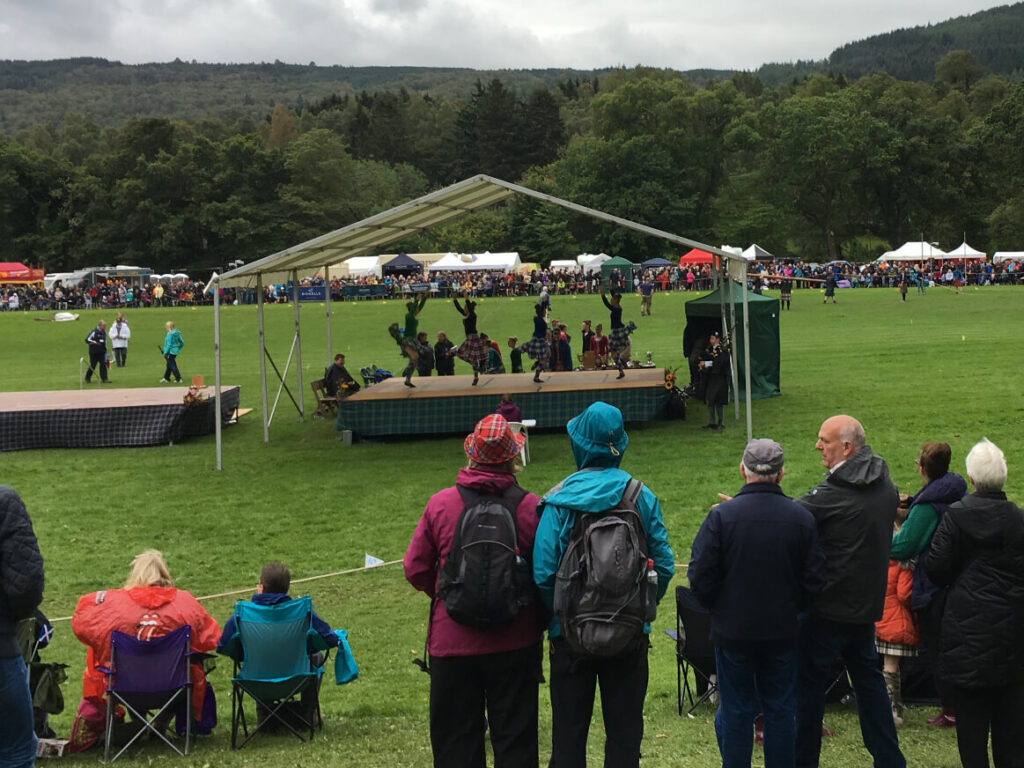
<point>854,508</point>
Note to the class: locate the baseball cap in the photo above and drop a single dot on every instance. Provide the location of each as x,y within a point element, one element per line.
<point>492,441</point>
<point>763,456</point>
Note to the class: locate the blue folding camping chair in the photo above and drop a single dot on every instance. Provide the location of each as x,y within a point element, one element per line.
<point>149,676</point>
<point>273,650</point>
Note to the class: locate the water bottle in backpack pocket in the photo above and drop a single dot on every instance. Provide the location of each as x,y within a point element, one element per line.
<point>602,585</point>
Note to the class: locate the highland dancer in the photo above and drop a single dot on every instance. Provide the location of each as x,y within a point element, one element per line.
<point>406,337</point>
<point>539,345</point>
<point>474,349</point>
<point>618,339</point>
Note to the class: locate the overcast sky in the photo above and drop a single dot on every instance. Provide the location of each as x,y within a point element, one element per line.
<point>481,34</point>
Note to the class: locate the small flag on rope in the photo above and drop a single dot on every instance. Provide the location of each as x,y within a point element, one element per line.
<point>372,562</point>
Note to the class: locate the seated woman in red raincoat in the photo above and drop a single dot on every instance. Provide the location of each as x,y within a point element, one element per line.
<point>148,606</point>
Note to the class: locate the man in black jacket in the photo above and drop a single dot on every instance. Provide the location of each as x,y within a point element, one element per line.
<point>21,590</point>
<point>337,380</point>
<point>854,508</point>
<point>97,341</point>
<point>755,564</point>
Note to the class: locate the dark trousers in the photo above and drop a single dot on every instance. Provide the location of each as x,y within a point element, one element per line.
<point>929,620</point>
<point>980,709</point>
<point>120,356</point>
<point>821,643</point>
<point>623,681</point>
<point>97,357</point>
<point>172,368</point>
<point>462,687</point>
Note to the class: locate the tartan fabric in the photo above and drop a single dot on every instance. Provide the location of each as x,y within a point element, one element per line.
<point>459,414</point>
<point>618,339</point>
<point>473,350</point>
<point>537,348</point>
<point>492,441</point>
<point>112,427</point>
<point>895,649</point>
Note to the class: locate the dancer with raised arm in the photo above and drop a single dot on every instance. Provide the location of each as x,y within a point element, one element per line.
<point>474,349</point>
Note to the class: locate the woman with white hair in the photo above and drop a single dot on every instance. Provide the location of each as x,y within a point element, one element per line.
<point>978,555</point>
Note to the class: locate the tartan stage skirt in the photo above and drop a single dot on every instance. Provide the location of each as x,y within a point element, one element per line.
<point>473,350</point>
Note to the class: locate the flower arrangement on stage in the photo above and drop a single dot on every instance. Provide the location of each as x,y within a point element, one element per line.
<point>193,396</point>
<point>670,378</point>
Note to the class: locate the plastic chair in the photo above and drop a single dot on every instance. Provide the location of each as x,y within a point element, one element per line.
<point>273,666</point>
<point>520,427</point>
<point>694,651</point>
<point>147,675</point>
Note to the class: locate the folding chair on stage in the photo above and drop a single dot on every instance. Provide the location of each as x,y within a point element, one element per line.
<point>325,404</point>
<point>694,651</point>
<point>273,666</point>
<point>145,676</point>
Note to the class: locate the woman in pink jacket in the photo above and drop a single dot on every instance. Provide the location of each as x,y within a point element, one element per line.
<point>474,668</point>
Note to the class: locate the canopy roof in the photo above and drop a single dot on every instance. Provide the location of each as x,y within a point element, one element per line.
<point>964,251</point>
<point>564,264</point>
<point>696,256</point>
<point>913,252</point>
<point>755,252</point>
<point>592,261</point>
<point>403,264</point>
<point>1001,256</point>
<point>372,234</point>
<point>656,262</point>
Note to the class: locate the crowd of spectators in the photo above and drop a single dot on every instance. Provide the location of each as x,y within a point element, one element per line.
<point>112,294</point>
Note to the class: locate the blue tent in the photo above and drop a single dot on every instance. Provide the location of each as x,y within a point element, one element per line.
<point>656,263</point>
<point>402,265</point>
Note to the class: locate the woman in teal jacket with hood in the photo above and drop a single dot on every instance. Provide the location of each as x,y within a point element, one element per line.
<point>599,441</point>
<point>172,346</point>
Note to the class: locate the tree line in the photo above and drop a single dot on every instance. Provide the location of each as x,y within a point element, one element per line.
<point>824,168</point>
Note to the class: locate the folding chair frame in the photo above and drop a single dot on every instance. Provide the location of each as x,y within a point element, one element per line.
<point>684,666</point>
<point>127,698</point>
<point>238,693</point>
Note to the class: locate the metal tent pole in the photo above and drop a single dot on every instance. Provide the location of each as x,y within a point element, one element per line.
<point>298,341</point>
<point>746,362</point>
<point>327,303</point>
<point>263,356</point>
<point>216,372</point>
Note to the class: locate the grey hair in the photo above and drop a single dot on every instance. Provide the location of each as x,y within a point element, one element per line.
<point>852,431</point>
<point>756,477</point>
<point>986,466</point>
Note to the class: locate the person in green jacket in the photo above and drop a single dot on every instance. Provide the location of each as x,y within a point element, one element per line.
<point>171,349</point>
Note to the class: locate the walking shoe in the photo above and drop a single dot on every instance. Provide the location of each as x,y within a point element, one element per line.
<point>943,721</point>
<point>718,428</point>
<point>164,381</point>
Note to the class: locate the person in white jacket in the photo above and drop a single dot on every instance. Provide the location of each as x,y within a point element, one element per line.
<point>119,334</point>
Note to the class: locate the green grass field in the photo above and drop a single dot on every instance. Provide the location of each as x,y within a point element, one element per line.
<point>940,367</point>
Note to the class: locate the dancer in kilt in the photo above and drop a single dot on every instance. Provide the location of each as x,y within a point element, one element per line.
<point>618,338</point>
<point>406,337</point>
<point>538,347</point>
<point>474,349</point>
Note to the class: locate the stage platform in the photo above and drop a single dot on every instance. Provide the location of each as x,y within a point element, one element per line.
<point>451,404</point>
<point>108,417</point>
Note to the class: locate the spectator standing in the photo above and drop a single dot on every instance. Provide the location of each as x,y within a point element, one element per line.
<point>444,355</point>
<point>120,333</point>
<point>97,341</point>
<point>978,555</point>
<point>646,294</point>
<point>473,669</point>
<point>755,564</point>
<point>599,441</point>
<point>21,590</point>
<point>425,363</point>
<point>854,508</point>
<point>171,349</point>
<point>715,367</point>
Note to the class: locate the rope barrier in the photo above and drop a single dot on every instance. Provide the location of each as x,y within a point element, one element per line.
<point>248,590</point>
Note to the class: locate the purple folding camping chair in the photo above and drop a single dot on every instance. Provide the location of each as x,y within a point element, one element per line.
<point>147,676</point>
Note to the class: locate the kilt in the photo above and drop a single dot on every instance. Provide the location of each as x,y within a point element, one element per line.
<point>618,340</point>
<point>786,294</point>
<point>537,348</point>
<point>473,350</point>
<point>895,649</point>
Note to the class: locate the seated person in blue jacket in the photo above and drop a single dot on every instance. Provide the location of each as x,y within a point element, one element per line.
<point>275,579</point>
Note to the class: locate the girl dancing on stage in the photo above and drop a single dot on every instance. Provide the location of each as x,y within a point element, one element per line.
<point>538,347</point>
<point>474,349</point>
<point>618,338</point>
<point>406,338</point>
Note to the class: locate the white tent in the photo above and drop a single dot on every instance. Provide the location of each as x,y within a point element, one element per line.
<point>564,264</point>
<point>755,251</point>
<point>964,251</point>
<point>592,261</point>
<point>1000,256</point>
<point>453,262</point>
<point>507,262</point>
<point>913,252</point>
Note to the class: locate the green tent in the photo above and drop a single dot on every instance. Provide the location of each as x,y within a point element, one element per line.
<point>704,315</point>
<point>625,266</point>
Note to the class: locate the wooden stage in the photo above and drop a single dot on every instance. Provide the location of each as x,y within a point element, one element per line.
<point>107,416</point>
<point>451,404</point>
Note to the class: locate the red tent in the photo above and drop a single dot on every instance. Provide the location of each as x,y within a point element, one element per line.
<point>12,272</point>
<point>696,256</point>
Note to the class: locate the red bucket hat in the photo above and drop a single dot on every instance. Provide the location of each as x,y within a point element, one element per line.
<point>493,441</point>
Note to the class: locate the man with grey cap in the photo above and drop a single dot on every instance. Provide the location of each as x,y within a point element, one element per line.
<point>756,563</point>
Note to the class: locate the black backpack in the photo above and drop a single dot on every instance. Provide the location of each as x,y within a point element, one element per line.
<point>603,591</point>
<point>485,580</point>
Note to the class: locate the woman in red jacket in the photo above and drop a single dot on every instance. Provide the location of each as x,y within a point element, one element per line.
<point>148,606</point>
